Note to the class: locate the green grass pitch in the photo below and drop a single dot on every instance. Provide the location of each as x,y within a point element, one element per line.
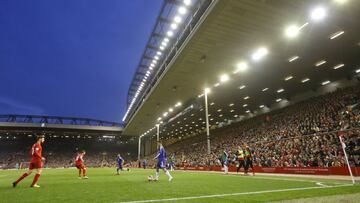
<point>62,185</point>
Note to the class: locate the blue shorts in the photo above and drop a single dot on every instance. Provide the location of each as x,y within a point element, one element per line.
<point>120,166</point>
<point>161,164</point>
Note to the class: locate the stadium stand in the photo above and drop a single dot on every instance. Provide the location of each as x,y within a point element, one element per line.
<point>61,152</point>
<point>301,135</point>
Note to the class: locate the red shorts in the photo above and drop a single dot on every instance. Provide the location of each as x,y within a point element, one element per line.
<point>35,165</point>
<point>80,166</point>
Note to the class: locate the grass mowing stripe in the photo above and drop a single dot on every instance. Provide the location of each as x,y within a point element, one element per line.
<point>235,194</point>
<point>267,177</point>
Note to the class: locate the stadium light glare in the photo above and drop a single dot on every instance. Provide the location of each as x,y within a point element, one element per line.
<point>292,31</point>
<point>278,100</point>
<point>241,66</point>
<point>178,104</point>
<point>216,84</point>
<point>162,47</point>
<point>318,14</point>
<point>224,78</point>
<point>170,33</point>
<point>156,57</point>
<point>337,34</point>
<point>305,80</point>
<point>319,63</point>
<point>293,58</point>
<point>357,71</point>
<point>265,89</point>
<point>231,104</point>
<point>280,90</point>
<point>259,54</point>
<point>207,90</point>
<point>159,53</point>
<point>242,87</point>
<point>159,119</point>
<point>212,103</point>
<point>177,19</point>
<point>304,25</point>
<point>171,109</point>
<point>245,105</point>
<point>187,2</point>
<point>325,82</point>
<point>261,106</point>
<point>174,26</point>
<point>247,111</point>
<point>165,114</point>
<point>182,10</point>
<point>164,43</point>
<point>340,1</point>
<point>288,78</point>
<point>247,97</point>
<point>338,66</point>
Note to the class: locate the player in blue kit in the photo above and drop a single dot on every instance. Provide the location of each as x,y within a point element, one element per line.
<point>120,162</point>
<point>161,162</point>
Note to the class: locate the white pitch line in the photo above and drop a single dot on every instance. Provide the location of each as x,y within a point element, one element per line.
<point>266,177</point>
<point>321,184</point>
<point>235,194</point>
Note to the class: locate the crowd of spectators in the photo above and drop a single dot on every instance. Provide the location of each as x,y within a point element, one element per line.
<point>61,153</point>
<point>301,135</point>
<point>61,160</point>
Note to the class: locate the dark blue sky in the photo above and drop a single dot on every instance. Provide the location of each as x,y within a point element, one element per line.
<point>71,57</point>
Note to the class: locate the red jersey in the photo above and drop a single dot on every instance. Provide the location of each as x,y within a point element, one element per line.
<point>79,159</point>
<point>36,152</point>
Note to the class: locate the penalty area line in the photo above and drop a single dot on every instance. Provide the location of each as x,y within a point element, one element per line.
<point>235,194</point>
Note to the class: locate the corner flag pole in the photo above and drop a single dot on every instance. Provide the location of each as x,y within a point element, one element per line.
<point>346,158</point>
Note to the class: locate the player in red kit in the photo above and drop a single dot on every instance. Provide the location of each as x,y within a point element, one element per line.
<point>36,162</point>
<point>79,163</point>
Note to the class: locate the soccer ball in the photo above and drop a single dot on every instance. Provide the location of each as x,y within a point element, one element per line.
<point>150,178</point>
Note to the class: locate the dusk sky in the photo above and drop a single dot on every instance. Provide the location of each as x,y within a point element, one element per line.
<point>71,57</point>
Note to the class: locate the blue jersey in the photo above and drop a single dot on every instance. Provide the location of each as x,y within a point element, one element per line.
<point>161,155</point>
<point>119,160</point>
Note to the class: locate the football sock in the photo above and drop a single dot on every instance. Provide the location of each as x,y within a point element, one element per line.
<point>22,177</point>
<point>36,178</point>
<point>168,174</point>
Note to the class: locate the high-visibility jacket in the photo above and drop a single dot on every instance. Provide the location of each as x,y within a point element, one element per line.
<point>240,155</point>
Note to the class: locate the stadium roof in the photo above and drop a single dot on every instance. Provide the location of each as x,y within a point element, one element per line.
<point>57,124</point>
<point>268,50</point>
